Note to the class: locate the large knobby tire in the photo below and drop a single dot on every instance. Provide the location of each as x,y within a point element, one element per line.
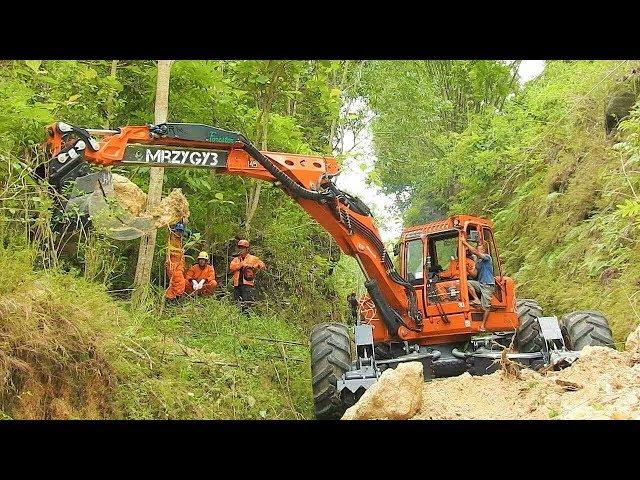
<point>330,359</point>
<point>584,328</point>
<point>529,335</point>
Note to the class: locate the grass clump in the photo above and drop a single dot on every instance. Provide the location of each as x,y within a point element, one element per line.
<point>203,359</point>
<point>54,342</point>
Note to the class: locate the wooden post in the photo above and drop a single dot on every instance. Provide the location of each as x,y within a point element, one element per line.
<point>156,176</point>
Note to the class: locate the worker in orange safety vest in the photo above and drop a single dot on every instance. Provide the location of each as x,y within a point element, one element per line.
<point>244,267</point>
<point>201,277</point>
<point>175,263</point>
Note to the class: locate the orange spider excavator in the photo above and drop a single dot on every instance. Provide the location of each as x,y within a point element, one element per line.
<point>421,313</point>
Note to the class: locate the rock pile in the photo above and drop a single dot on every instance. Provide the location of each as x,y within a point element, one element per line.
<point>602,384</point>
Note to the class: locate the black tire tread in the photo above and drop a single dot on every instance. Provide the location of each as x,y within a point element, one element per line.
<point>528,335</point>
<point>586,327</point>
<point>330,359</point>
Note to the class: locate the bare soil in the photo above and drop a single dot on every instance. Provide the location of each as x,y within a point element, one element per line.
<point>602,384</point>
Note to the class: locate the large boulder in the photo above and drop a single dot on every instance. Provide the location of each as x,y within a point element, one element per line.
<point>397,395</point>
<point>130,218</point>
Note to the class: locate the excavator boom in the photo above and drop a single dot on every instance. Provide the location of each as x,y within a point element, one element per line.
<point>307,179</point>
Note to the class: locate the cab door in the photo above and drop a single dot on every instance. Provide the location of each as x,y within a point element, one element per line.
<point>501,292</point>
<point>446,291</point>
<point>414,268</point>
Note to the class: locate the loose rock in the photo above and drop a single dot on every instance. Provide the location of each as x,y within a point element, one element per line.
<point>128,195</point>
<point>131,219</point>
<point>397,395</point>
<point>602,384</point>
<point>632,346</point>
<point>173,208</point>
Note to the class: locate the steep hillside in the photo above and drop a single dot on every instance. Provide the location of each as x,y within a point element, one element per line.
<point>565,232</point>
<point>68,350</point>
<point>562,192</point>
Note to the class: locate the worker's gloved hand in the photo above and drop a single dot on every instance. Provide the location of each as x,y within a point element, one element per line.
<point>194,284</point>
<point>201,284</point>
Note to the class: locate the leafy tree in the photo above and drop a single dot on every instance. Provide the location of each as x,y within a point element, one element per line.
<point>420,108</point>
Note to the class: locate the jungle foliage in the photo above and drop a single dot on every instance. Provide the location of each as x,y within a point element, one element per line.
<point>449,136</point>
<point>291,106</point>
<point>535,158</point>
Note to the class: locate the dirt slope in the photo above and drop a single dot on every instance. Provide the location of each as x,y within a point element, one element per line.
<point>602,384</point>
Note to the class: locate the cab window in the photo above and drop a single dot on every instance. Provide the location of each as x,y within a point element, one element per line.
<point>442,249</point>
<point>446,249</point>
<point>472,234</point>
<point>414,261</point>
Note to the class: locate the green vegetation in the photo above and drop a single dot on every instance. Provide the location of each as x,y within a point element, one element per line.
<point>564,196</point>
<point>71,343</point>
<point>68,350</point>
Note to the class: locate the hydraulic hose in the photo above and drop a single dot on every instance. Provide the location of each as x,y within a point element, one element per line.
<point>287,182</point>
<point>389,316</point>
<point>392,319</point>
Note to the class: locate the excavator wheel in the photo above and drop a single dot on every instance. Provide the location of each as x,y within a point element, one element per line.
<point>330,359</point>
<point>529,335</point>
<point>584,328</point>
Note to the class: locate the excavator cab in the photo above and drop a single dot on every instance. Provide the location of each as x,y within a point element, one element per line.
<point>436,263</point>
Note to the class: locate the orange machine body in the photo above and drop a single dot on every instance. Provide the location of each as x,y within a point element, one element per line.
<point>445,303</point>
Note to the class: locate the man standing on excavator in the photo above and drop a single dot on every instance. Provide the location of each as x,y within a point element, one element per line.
<point>485,283</point>
<point>201,277</point>
<point>244,267</point>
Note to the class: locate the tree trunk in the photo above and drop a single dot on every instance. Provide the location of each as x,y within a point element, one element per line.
<point>514,76</point>
<point>156,176</point>
<point>295,102</point>
<point>334,122</point>
<point>262,126</point>
<point>256,185</point>
<point>109,104</point>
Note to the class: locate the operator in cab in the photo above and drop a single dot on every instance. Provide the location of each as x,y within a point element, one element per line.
<point>485,283</point>
<point>201,277</point>
<point>453,270</point>
<point>244,267</point>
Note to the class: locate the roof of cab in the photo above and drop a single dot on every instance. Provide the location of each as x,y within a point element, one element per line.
<point>447,224</point>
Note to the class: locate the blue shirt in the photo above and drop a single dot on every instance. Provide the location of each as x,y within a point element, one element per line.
<point>484,266</point>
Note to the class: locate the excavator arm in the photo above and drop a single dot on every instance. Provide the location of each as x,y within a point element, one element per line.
<point>307,179</point>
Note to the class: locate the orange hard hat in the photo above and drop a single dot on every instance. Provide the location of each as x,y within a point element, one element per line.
<point>243,243</point>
